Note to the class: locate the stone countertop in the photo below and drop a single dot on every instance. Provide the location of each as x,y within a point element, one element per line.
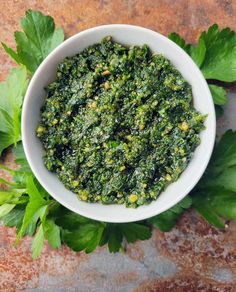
<point>193,256</point>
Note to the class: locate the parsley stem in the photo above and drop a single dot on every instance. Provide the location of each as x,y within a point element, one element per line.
<point>9,183</point>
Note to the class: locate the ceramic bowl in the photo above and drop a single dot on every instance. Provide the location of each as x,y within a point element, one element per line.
<point>35,96</point>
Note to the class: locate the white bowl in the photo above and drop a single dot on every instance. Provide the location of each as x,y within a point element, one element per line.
<point>35,95</point>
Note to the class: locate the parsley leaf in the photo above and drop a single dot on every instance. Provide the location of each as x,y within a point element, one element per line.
<point>70,220</point>
<point>5,209</point>
<point>81,233</point>
<point>215,205</point>
<point>52,233</point>
<point>167,220</point>
<point>78,232</point>
<point>10,196</point>
<point>214,196</point>
<point>11,96</point>
<point>20,158</point>
<point>179,41</point>
<point>219,111</point>
<point>224,154</point>
<point>85,237</point>
<point>226,179</point>
<point>219,94</point>
<point>215,53</point>
<point>14,218</point>
<point>220,57</point>
<point>37,41</point>
<point>114,234</point>
<point>198,52</point>
<point>35,209</point>
<point>49,231</point>
<point>38,241</point>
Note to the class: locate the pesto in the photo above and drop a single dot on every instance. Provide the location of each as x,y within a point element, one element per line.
<point>118,124</point>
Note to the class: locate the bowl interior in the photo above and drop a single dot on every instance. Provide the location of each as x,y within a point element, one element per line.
<point>128,35</point>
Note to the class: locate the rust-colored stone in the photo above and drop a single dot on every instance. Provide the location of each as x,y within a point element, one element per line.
<point>184,284</point>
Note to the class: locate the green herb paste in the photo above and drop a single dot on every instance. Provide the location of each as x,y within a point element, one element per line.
<point>118,124</point>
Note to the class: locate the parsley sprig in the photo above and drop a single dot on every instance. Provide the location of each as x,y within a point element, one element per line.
<point>215,55</point>
<point>24,204</point>
<point>37,40</point>
<point>11,97</point>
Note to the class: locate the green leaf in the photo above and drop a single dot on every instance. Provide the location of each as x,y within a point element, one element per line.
<point>10,196</point>
<point>52,233</point>
<point>179,41</point>
<point>5,140</point>
<point>167,220</point>
<point>37,244</point>
<point>135,231</point>
<point>33,192</point>
<point>214,197</point>
<point>224,203</point>
<point>86,237</point>
<point>224,155</point>
<point>114,234</point>
<point>37,40</point>
<point>215,204</point>
<point>78,232</point>
<point>11,96</point>
<point>57,38</point>
<point>207,213</point>
<point>13,90</point>
<point>94,242</point>
<point>184,204</point>
<point>220,57</point>
<point>219,94</point>
<point>164,221</point>
<point>20,158</point>
<point>37,206</point>
<point>5,209</point>
<point>70,220</point>
<point>219,111</point>
<point>31,228</point>
<point>11,53</point>
<point>198,52</point>
<point>114,238</point>
<point>20,178</point>
<point>14,218</point>
<point>215,53</point>
<point>226,179</point>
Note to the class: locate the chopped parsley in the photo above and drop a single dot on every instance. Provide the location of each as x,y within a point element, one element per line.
<point>118,124</point>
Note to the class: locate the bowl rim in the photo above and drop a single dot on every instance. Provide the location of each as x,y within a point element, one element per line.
<point>26,143</point>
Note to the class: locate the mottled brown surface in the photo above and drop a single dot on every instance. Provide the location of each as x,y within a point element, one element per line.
<point>192,257</point>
